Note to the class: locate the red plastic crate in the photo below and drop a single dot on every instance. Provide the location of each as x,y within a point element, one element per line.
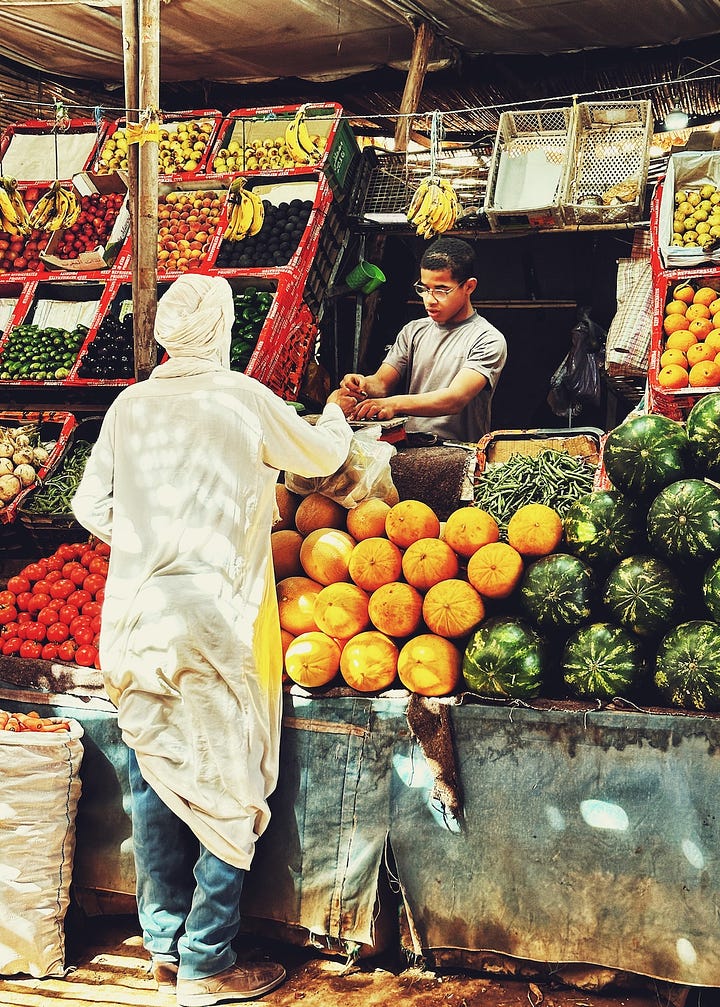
<point>170,121</point>
<point>54,426</point>
<point>38,150</point>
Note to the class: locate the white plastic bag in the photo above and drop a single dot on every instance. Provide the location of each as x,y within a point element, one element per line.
<point>364,474</point>
<point>39,790</point>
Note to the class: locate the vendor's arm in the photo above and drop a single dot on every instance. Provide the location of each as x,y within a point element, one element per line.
<point>381,383</point>
<point>438,402</point>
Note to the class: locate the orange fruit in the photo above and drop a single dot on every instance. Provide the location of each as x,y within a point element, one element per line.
<point>495,569</point>
<point>325,555</point>
<point>673,376</point>
<point>410,520</point>
<point>675,323</point>
<point>696,310</point>
<point>467,528</point>
<point>428,561</point>
<point>684,292</point>
<point>700,351</point>
<point>287,503</point>
<point>367,520</point>
<point>674,356</point>
<point>286,639</point>
<point>296,601</point>
<point>368,662</point>
<point>374,562</point>
<point>318,511</point>
<point>705,295</point>
<point>285,546</point>
<point>312,659</point>
<point>680,340</point>
<point>713,339</point>
<point>429,665</point>
<point>706,374</point>
<point>715,306</point>
<point>396,609</point>
<point>676,308</point>
<point>700,327</point>
<point>341,610</point>
<point>453,608</point>
<point>535,530</point>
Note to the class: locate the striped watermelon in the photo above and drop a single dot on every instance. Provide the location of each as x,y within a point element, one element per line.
<point>505,658</point>
<point>687,665</point>
<point>643,594</point>
<point>683,521</point>
<point>711,590</point>
<point>703,430</point>
<point>603,527</point>
<point>556,592</point>
<point>645,453</point>
<point>602,660</point>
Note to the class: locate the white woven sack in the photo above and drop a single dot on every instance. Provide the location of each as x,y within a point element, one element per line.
<point>39,791</point>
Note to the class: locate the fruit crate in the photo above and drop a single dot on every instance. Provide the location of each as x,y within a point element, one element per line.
<point>66,306</point>
<point>202,245</point>
<point>689,171</point>
<point>674,402</point>
<point>55,430</point>
<point>333,237</point>
<point>606,173</point>
<point>38,150</point>
<point>11,291</point>
<point>112,151</point>
<point>285,347</point>
<point>525,182</point>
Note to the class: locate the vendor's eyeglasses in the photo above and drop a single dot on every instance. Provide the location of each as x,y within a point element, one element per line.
<point>437,293</point>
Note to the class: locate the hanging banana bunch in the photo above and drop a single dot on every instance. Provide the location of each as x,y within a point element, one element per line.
<point>58,208</point>
<point>434,207</point>
<point>306,149</point>
<point>246,214</point>
<point>14,218</point>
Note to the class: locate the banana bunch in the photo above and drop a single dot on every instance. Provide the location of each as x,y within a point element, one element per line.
<point>58,208</point>
<point>14,218</point>
<point>434,207</point>
<point>247,212</point>
<point>306,149</point>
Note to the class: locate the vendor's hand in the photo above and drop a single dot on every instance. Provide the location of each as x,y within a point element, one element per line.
<point>354,384</point>
<point>346,402</point>
<point>375,409</point>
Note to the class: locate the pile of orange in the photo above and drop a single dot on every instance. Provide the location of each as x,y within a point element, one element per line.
<point>381,593</point>
<point>691,352</point>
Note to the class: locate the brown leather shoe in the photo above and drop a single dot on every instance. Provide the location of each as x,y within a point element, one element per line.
<point>246,982</point>
<point>165,974</point>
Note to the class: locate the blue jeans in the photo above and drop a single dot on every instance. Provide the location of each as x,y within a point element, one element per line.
<point>188,899</point>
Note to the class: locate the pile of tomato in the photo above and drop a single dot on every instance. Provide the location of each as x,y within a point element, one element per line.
<point>52,608</point>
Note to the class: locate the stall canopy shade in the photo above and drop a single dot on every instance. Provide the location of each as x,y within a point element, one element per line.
<point>260,40</point>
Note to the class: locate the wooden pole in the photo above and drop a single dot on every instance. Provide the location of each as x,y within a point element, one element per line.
<point>132,102</point>
<point>422,43</point>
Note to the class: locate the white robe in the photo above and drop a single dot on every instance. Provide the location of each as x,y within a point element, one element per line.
<point>181,484</point>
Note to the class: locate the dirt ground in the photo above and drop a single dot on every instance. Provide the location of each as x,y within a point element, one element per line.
<point>108,970</point>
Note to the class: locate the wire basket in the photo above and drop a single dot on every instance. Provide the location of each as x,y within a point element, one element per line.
<point>606,174</point>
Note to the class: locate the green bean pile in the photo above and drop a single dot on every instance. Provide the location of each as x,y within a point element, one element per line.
<point>56,492</point>
<point>551,477</point>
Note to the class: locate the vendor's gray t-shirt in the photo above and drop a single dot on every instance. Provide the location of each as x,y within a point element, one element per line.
<point>434,354</point>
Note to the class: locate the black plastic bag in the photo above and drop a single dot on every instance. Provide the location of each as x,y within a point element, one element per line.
<point>577,381</point>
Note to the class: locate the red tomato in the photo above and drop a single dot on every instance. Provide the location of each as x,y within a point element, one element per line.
<point>47,616</point>
<point>56,603</point>
<point>67,613</point>
<point>66,551</point>
<point>18,584</point>
<point>55,563</point>
<point>9,629</point>
<point>79,598</point>
<point>8,613</point>
<point>49,652</point>
<point>75,572</point>
<point>87,558</point>
<point>85,655</point>
<point>83,634</point>
<point>62,588</point>
<point>93,583</point>
<point>30,648</point>
<point>100,595</point>
<point>11,645</point>
<point>57,632</point>
<point>99,565</point>
<point>66,650</point>
<point>21,602</point>
<point>38,601</point>
<point>97,623</point>
<point>41,587</point>
<point>33,571</point>
<point>53,576</point>
<point>24,617</point>
<point>34,631</point>
<point>7,598</point>
<point>102,548</point>
<point>90,608</point>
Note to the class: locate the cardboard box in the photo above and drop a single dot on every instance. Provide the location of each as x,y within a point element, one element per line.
<point>87,183</point>
<point>689,170</point>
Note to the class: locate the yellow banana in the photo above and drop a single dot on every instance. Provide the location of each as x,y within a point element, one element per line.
<point>258,213</point>
<point>61,207</point>
<point>74,211</point>
<point>416,201</point>
<point>7,212</point>
<point>301,144</point>
<point>22,221</point>
<point>40,213</point>
<point>241,215</point>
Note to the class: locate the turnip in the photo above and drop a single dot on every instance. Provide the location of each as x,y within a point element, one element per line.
<point>26,474</point>
<point>23,456</point>
<point>6,466</point>
<point>10,486</point>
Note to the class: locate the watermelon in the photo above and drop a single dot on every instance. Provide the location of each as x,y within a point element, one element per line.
<point>687,665</point>
<point>703,430</point>
<point>683,522</point>
<point>711,590</point>
<point>645,453</point>
<point>602,660</point>
<point>504,658</point>
<point>556,591</point>
<point>604,526</point>
<point>644,595</point>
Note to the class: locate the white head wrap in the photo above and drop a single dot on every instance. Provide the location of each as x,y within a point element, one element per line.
<point>194,318</point>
